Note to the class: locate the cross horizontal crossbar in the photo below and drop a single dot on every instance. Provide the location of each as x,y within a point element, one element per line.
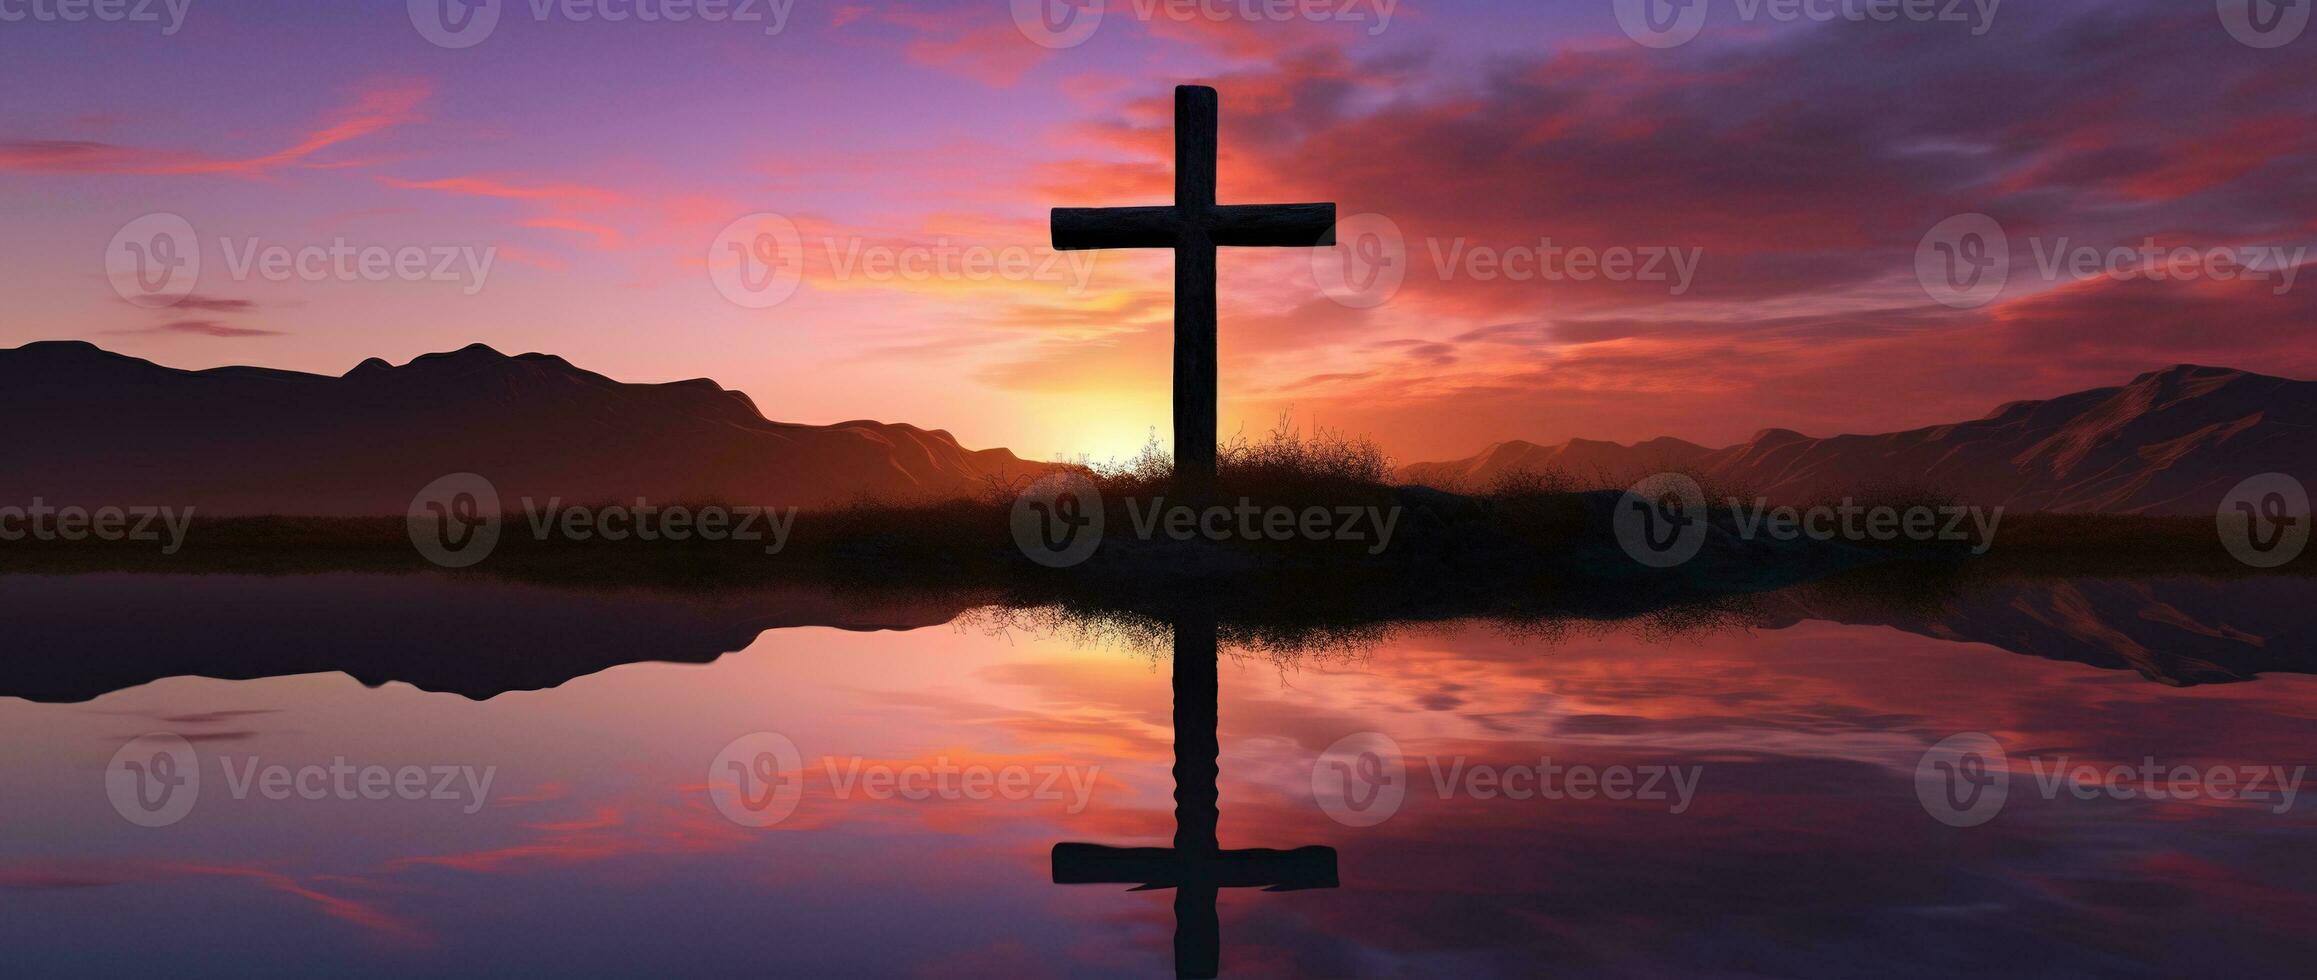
<point>1233,225</point>
<point>1167,867</point>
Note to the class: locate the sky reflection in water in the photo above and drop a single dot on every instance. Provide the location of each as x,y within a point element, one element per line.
<point>599,849</point>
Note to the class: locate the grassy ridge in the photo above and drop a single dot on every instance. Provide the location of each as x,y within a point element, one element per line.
<point>1524,533</point>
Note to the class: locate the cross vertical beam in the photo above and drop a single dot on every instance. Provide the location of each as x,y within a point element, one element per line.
<point>1197,121</point>
<point>1198,751</point>
<point>1198,743</point>
<point>1195,227</point>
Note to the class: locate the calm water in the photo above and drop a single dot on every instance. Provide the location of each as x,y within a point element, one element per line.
<point>1801,845</point>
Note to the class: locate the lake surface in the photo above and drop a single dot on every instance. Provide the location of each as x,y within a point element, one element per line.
<point>1783,796</point>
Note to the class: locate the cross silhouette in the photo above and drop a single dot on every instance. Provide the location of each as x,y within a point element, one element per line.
<point>1197,866</point>
<point>1194,227</point>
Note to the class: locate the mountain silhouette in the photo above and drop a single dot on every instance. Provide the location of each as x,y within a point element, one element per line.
<point>2172,442</point>
<point>77,637</point>
<point>2176,630</point>
<point>245,441</point>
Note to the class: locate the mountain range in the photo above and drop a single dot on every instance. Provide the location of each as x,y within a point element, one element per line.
<point>79,638</point>
<point>118,430</point>
<point>2172,442</point>
<point>98,428</point>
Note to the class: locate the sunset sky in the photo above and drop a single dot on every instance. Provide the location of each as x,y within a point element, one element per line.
<point>598,162</point>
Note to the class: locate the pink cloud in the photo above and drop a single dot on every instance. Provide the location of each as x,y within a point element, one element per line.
<point>201,328</point>
<point>995,54</point>
<point>374,110</point>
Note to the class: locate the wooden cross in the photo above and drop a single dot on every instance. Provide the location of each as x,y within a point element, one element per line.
<point>1197,866</point>
<point>1194,227</point>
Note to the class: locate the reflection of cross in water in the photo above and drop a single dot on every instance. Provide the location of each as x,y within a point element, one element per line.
<point>1197,866</point>
<point>1194,226</point>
